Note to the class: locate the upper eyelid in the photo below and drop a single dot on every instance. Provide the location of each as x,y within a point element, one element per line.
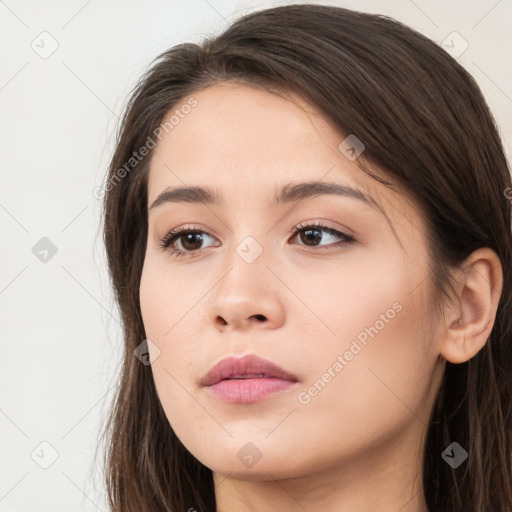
<point>296,227</point>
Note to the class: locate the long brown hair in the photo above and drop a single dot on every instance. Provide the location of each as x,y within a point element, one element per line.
<point>423,121</point>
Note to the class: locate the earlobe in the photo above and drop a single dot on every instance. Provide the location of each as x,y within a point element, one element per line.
<point>471,316</point>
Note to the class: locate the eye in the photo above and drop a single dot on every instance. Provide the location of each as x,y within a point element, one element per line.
<point>312,234</point>
<point>191,239</point>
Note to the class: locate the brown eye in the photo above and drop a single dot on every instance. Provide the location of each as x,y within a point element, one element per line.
<point>311,235</point>
<point>190,239</point>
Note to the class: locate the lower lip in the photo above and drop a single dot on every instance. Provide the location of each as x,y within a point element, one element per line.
<point>248,390</point>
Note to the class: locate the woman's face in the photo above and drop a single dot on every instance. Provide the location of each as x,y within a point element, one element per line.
<point>342,307</point>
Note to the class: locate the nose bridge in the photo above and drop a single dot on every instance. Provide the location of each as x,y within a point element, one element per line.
<point>245,294</point>
<point>250,236</point>
<point>247,270</point>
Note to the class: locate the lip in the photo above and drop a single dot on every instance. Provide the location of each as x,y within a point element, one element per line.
<point>246,379</point>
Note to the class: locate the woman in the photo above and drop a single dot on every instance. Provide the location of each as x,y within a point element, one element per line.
<point>309,238</point>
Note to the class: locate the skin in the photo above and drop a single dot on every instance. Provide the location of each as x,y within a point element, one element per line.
<point>358,443</point>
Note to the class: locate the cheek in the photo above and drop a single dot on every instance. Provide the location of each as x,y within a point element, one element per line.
<point>361,298</point>
<point>378,364</point>
<point>374,313</point>
<point>164,318</point>
<point>168,303</point>
<point>170,310</point>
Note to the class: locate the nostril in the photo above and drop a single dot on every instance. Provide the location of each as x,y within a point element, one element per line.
<point>260,317</point>
<point>222,321</point>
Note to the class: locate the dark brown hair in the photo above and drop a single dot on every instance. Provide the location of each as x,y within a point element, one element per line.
<point>425,123</point>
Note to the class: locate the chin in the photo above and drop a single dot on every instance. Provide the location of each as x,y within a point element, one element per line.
<point>265,468</point>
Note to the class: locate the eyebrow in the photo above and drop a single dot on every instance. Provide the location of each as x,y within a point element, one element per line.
<point>287,194</point>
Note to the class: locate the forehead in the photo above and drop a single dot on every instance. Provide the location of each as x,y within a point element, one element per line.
<point>253,136</point>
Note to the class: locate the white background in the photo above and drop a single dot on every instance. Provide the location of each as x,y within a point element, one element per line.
<point>60,337</point>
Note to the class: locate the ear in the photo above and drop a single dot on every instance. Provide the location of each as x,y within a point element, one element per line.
<point>470,318</point>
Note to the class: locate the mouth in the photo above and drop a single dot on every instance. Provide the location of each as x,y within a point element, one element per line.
<point>247,379</point>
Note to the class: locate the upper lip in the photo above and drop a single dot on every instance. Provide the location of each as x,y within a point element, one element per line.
<point>245,367</point>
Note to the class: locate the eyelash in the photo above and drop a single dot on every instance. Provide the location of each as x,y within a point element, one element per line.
<point>177,233</point>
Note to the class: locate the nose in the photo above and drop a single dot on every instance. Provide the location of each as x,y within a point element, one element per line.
<point>244,299</point>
